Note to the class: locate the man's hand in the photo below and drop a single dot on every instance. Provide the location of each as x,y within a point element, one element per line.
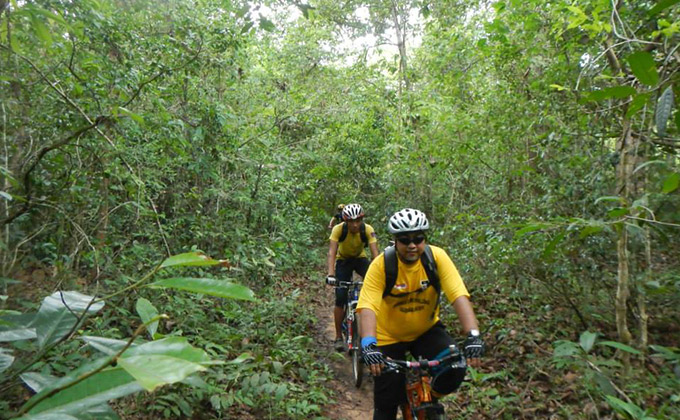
<point>331,281</point>
<point>474,346</point>
<point>372,356</point>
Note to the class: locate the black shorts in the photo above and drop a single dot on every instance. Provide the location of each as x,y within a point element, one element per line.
<point>343,272</point>
<point>390,388</point>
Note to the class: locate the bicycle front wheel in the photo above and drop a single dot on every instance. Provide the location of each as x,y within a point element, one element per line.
<point>435,413</point>
<point>357,367</point>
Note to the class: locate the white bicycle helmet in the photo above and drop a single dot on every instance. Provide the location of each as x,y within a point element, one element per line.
<point>407,220</point>
<point>352,211</point>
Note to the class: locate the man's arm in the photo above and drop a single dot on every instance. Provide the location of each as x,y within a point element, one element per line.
<point>374,250</point>
<point>468,321</point>
<point>332,251</point>
<point>368,322</point>
<point>466,314</point>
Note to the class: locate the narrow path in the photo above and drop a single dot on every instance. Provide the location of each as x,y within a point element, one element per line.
<point>351,403</point>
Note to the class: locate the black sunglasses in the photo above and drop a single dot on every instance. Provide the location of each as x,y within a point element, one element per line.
<point>406,240</point>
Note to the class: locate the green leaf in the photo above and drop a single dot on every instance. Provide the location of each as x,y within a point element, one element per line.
<point>243,357</point>
<point>550,248</point>
<point>266,24</point>
<point>41,31</point>
<point>590,230</point>
<point>176,347</point>
<point>609,198</point>
<point>587,340</point>
<point>650,162</point>
<point>109,346</point>
<point>619,346</point>
<point>305,8</point>
<point>6,196</point>
<point>623,407</point>
<point>147,312</point>
<point>619,92</point>
<point>604,383</point>
<point>34,10</point>
<point>98,389</point>
<point>152,371</point>
<point>189,259</point>
<point>57,315</point>
<point>638,102</point>
<point>531,228</point>
<point>6,359</point>
<point>661,5</point>
<point>17,334</point>
<point>663,110</point>
<point>132,115</point>
<point>671,183</point>
<point>565,349</point>
<point>213,287</point>
<point>643,67</point>
<point>617,212</point>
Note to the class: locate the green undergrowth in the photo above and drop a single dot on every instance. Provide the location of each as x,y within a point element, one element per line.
<point>271,367</point>
<point>538,365</point>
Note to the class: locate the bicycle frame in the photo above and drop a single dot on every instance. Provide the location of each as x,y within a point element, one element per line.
<point>419,402</point>
<point>351,328</point>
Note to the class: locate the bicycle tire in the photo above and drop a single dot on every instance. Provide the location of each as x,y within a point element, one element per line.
<point>435,413</point>
<point>357,366</point>
<point>345,328</point>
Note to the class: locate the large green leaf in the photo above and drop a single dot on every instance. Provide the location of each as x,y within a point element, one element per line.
<point>619,92</point>
<point>661,5</point>
<point>191,259</point>
<point>213,287</point>
<point>663,110</point>
<point>638,102</point>
<point>671,183</point>
<point>620,346</point>
<point>147,312</point>
<point>108,346</point>
<point>587,340</point>
<point>104,386</point>
<point>177,347</point>
<point>643,67</point>
<point>17,334</point>
<point>153,371</point>
<point>6,359</point>
<point>57,315</point>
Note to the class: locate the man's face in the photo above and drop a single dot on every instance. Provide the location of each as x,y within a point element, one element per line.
<point>353,225</point>
<point>410,246</point>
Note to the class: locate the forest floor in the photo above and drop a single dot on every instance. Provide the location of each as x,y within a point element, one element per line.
<point>351,403</point>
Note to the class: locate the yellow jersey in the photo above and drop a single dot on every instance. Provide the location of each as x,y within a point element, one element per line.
<point>407,317</point>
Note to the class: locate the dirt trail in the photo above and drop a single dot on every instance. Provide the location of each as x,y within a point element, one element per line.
<point>351,403</point>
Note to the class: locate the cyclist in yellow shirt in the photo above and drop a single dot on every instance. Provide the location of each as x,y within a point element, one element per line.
<point>346,255</point>
<point>406,317</point>
<point>337,217</point>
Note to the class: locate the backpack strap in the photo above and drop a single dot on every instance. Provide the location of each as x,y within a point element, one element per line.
<point>427,259</point>
<point>391,267</point>
<point>343,235</point>
<point>362,233</point>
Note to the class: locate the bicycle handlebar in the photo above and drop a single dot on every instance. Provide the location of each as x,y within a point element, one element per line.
<point>339,283</point>
<point>394,365</point>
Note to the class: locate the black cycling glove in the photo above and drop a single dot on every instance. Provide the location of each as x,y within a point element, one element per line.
<point>473,346</point>
<point>330,280</point>
<point>372,356</point>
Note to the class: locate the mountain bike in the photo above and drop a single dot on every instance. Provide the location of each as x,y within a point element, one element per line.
<point>420,404</point>
<point>350,329</point>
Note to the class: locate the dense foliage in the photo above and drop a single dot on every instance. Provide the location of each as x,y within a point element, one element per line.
<point>541,139</point>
